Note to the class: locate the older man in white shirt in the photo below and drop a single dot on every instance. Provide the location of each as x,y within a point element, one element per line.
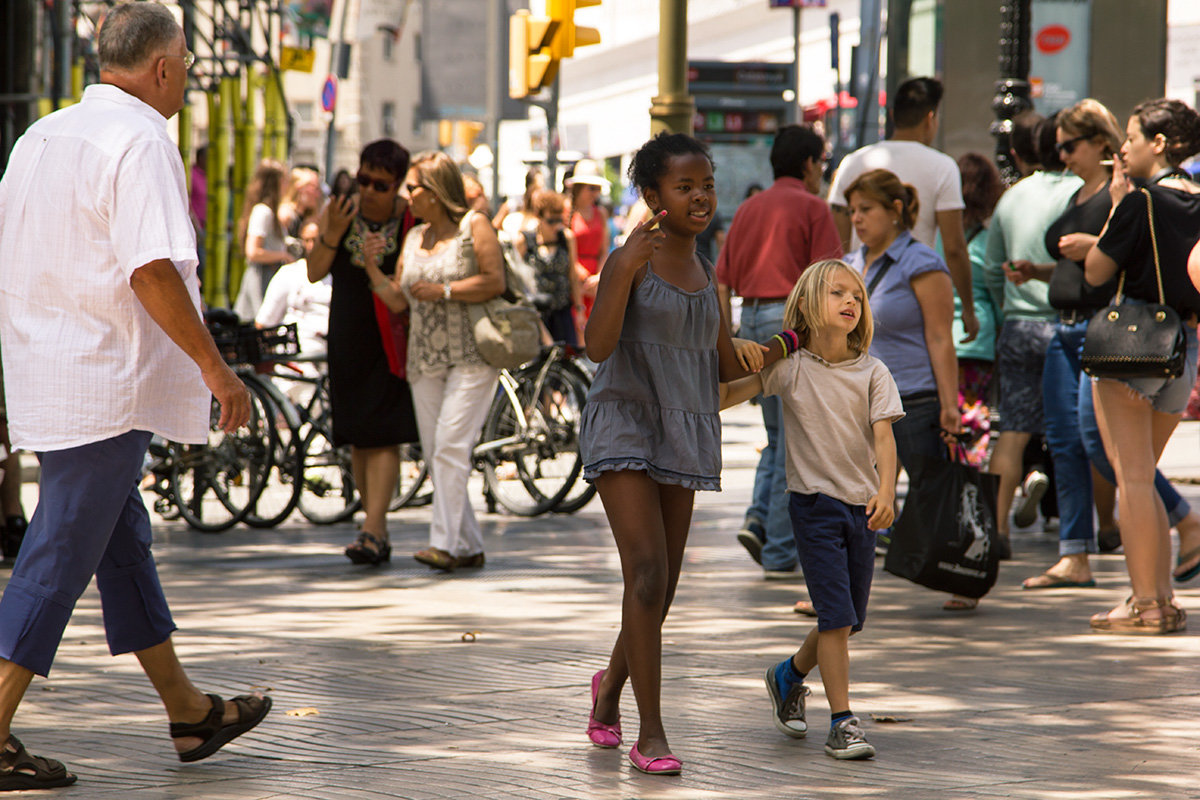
<point>103,347</point>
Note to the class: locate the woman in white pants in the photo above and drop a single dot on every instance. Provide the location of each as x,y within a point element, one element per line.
<point>452,387</point>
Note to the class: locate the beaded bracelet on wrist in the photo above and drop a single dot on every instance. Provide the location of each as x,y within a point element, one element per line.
<point>789,340</point>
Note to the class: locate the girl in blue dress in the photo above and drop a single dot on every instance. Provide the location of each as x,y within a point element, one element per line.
<point>650,432</point>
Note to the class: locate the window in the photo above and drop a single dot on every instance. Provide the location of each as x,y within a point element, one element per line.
<point>388,118</point>
<point>389,44</point>
<point>303,110</point>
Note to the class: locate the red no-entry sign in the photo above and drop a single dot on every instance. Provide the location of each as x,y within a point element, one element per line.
<point>329,93</point>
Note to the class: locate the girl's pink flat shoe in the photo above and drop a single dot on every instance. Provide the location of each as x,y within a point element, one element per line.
<point>662,765</point>
<point>602,734</point>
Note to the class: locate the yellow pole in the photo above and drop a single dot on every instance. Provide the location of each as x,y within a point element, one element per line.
<point>219,190</point>
<point>243,166</point>
<point>275,127</point>
<point>77,79</point>
<point>672,109</point>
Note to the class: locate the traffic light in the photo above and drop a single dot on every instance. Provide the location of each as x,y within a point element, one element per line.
<point>531,64</point>
<point>569,35</point>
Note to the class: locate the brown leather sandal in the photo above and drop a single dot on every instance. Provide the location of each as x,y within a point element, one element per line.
<point>20,769</point>
<point>436,558</point>
<point>214,731</point>
<point>1171,619</point>
<point>369,549</point>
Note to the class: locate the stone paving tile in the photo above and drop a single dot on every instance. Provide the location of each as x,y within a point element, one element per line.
<point>1018,700</point>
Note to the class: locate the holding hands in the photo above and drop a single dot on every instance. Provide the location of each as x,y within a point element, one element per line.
<point>749,354</point>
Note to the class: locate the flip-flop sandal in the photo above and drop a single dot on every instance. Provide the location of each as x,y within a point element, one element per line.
<point>1048,580</point>
<point>1184,577</point>
<point>215,733</point>
<point>19,769</point>
<point>960,604</point>
<point>436,558</point>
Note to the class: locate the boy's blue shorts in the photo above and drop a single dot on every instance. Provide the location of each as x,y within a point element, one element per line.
<point>837,554</point>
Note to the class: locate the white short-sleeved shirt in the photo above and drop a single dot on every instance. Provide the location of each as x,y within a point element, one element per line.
<point>92,193</point>
<point>290,297</point>
<point>931,172</point>
<point>828,414</point>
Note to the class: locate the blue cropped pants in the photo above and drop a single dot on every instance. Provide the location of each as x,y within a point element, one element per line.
<point>90,520</point>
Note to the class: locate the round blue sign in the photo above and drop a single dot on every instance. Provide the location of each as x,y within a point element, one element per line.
<point>329,93</point>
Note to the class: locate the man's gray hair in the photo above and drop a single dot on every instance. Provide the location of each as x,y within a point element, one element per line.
<point>132,33</point>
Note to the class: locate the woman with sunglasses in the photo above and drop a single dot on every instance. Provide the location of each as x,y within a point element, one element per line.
<point>1137,416</point>
<point>440,277</point>
<point>359,239</point>
<point>551,251</point>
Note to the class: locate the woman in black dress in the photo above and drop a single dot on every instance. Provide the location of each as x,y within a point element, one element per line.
<point>372,406</point>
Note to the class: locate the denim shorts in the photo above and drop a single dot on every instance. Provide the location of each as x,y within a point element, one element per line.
<point>1020,358</point>
<point>837,554</point>
<point>1168,395</point>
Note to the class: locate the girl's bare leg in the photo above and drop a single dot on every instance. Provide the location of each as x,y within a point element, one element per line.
<point>650,523</point>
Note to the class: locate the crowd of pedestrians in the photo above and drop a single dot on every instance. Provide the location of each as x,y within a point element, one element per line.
<point>916,306</point>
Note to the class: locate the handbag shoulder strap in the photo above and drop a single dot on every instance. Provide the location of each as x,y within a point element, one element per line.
<point>1153,249</point>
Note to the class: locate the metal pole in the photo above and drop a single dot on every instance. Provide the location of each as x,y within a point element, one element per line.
<point>672,109</point>
<point>1012,90</point>
<point>797,114</point>
<point>551,109</point>
<point>331,131</point>
<point>495,74</point>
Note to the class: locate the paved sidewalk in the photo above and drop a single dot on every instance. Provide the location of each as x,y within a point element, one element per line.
<point>1016,700</point>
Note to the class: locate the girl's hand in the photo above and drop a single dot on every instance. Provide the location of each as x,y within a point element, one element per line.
<point>881,511</point>
<point>950,421</point>
<point>428,292</point>
<point>643,240</point>
<point>749,354</point>
<point>1075,246</point>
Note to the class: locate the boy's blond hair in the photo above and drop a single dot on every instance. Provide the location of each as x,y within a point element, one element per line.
<point>805,307</point>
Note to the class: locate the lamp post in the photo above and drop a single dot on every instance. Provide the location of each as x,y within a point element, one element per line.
<point>672,108</point>
<point>1012,90</point>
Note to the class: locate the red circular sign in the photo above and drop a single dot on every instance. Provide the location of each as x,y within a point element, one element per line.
<point>1053,39</point>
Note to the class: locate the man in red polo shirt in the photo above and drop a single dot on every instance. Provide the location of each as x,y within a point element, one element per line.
<point>775,235</point>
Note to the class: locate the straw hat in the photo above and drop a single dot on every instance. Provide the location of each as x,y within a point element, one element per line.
<point>588,172</point>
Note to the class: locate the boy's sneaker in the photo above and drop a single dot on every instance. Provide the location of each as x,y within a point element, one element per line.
<point>846,740</point>
<point>789,710</point>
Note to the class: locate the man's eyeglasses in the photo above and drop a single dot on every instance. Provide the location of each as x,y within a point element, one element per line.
<point>379,186</point>
<point>189,58</point>
<point>552,220</point>
<point>1068,147</point>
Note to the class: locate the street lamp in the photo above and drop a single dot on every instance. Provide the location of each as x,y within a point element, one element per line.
<point>1012,90</point>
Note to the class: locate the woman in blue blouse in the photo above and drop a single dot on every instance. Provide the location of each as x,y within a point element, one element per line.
<point>912,300</point>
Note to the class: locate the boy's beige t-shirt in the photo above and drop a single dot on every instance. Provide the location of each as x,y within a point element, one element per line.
<point>828,411</point>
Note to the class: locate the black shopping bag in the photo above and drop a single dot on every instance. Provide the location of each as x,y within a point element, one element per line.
<point>946,538</point>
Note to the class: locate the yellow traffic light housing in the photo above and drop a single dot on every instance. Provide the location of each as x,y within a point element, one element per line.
<point>532,65</point>
<point>569,35</point>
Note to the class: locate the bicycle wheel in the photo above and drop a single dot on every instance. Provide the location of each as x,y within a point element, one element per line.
<point>531,469</point>
<point>412,477</point>
<point>581,492</point>
<point>214,484</point>
<point>281,487</point>
<point>327,493</point>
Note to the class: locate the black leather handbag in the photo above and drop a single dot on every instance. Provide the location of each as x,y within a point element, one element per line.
<point>1136,341</point>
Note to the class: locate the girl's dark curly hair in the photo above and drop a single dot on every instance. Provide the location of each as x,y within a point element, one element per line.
<point>650,162</point>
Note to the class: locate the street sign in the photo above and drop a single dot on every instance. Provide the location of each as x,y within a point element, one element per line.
<point>297,58</point>
<point>329,93</point>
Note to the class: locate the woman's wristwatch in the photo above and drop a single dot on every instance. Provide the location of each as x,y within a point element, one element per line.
<point>446,291</point>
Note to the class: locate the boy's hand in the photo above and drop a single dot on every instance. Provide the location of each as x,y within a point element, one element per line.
<point>749,354</point>
<point>880,511</point>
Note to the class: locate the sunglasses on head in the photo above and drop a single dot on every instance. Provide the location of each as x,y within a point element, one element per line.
<point>1068,147</point>
<point>379,186</point>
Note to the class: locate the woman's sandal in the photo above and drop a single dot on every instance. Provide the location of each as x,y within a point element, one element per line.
<point>214,731</point>
<point>19,769</point>
<point>961,604</point>
<point>436,558</point>
<point>369,549</point>
<point>1171,619</point>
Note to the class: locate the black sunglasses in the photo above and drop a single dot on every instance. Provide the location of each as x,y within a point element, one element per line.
<point>1068,147</point>
<point>379,186</point>
<point>552,220</point>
